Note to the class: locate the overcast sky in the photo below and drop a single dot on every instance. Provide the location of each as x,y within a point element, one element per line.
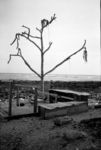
<point>76,21</point>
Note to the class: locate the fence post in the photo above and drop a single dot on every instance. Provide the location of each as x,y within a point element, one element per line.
<point>10,99</point>
<point>51,84</point>
<point>17,100</point>
<point>35,101</point>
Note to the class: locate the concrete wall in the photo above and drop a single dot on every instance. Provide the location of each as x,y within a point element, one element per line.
<point>67,110</point>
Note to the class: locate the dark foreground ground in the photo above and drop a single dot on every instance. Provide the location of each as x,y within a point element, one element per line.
<point>76,132</point>
<point>81,132</point>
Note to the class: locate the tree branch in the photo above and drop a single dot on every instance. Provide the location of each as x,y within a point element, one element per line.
<point>10,56</point>
<point>30,67</point>
<point>50,43</point>
<point>53,18</point>
<point>19,53</point>
<point>28,34</point>
<point>65,59</point>
<point>14,39</point>
<point>28,30</point>
<point>19,34</point>
<point>38,30</point>
<point>37,37</point>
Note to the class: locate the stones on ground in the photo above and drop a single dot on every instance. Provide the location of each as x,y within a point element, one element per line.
<point>62,121</point>
<point>72,135</point>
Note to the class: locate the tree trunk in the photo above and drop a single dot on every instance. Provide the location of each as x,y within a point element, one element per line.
<point>42,65</point>
<point>42,85</point>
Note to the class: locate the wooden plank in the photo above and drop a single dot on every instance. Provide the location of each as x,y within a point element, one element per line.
<point>70,91</point>
<point>66,98</point>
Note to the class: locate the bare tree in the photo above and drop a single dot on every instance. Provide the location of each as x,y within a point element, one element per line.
<point>27,35</point>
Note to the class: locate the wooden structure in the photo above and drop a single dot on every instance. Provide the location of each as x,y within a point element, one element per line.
<point>68,102</point>
<point>12,107</point>
<point>69,95</point>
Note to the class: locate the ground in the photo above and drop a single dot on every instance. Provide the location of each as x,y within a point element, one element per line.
<point>34,133</point>
<point>81,132</point>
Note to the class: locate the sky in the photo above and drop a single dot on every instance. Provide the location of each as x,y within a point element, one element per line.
<point>77,20</point>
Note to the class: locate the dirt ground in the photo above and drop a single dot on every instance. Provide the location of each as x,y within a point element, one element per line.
<point>34,133</point>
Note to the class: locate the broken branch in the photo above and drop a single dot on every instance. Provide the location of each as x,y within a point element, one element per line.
<point>48,47</point>
<point>10,56</point>
<point>38,30</point>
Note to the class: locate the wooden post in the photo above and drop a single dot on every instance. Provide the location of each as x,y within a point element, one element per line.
<point>17,101</point>
<point>35,101</point>
<point>55,98</point>
<point>51,84</point>
<point>10,99</point>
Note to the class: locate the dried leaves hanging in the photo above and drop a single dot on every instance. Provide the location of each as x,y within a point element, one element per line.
<point>85,54</point>
<point>17,38</point>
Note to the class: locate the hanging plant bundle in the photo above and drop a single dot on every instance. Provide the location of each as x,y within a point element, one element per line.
<point>85,54</point>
